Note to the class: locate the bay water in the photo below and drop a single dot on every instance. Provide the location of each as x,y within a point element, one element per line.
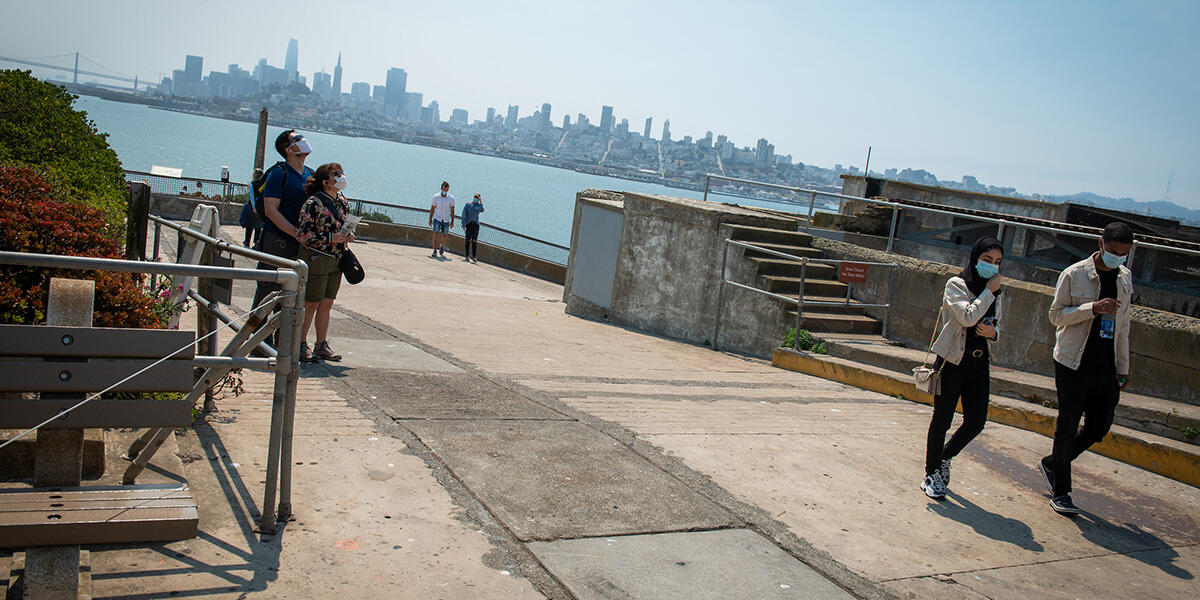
<point>531,199</point>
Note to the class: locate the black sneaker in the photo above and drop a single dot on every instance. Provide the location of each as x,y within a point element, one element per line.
<point>933,487</point>
<point>324,352</point>
<point>306,355</point>
<point>1047,474</point>
<point>1063,506</point>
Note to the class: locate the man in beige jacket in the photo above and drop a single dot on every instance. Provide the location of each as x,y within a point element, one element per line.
<point>1091,355</point>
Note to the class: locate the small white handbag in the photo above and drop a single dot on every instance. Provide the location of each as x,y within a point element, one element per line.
<point>926,378</point>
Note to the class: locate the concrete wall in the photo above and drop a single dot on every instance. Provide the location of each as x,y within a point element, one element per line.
<point>180,208</point>
<point>667,271</point>
<point>595,247</point>
<point>1164,352</point>
<point>856,185</point>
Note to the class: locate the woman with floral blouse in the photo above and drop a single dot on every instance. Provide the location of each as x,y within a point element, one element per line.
<point>322,244</point>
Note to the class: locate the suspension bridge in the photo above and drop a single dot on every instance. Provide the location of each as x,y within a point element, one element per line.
<point>75,71</point>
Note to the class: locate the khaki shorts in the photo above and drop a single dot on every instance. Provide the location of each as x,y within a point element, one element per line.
<point>324,277</point>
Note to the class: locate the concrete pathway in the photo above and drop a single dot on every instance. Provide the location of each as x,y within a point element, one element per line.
<point>477,442</point>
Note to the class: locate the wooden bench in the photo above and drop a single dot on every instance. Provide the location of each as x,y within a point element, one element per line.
<point>48,369</point>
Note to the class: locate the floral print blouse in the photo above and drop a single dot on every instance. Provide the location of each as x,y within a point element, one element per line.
<point>318,224</point>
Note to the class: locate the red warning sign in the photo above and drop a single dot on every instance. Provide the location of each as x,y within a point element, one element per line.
<point>851,272</point>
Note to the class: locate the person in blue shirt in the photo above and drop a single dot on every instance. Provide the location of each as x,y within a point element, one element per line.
<point>283,196</point>
<point>470,221</point>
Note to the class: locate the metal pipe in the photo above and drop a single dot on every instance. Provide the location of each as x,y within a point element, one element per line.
<point>157,240</point>
<point>816,260</point>
<point>800,303</point>
<point>224,245</point>
<point>720,289</point>
<point>892,230</point>
<point>233,362</point>
<point>1000,230</point>
<point>812,205</point>
<point>707,178</point>
<point>54,261</point>
<point>284,512</point>
<point>215,309</point>
<point>891,286</point>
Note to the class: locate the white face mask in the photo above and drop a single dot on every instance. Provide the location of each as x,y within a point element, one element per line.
<point>339,182</point>
<point>1111,260</point>
<point>302,147</point>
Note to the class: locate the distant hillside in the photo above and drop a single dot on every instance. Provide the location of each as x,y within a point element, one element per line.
<point>1158,208</point>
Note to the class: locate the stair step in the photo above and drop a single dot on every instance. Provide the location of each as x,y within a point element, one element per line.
<point>792,268</point>
<point>1155,453</point>
<point>825,322</point>
<point>782,284</point>
<point>1158,416</point>
<point>747,233</point>
<point>806,251</point>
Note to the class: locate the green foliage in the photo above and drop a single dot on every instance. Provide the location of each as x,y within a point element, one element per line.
<point>808,342</point>
<point>1189,432</point>
<point>33,218</point>
<point>377,217</point>
<point>40,129</point>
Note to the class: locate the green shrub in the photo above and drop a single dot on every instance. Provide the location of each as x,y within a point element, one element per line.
<point>34,218</point>
<point>376,216</point>
<point>808,342</point>
<point>40,129</point>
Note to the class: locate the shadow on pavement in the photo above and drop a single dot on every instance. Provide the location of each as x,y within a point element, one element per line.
<point>986,523</point>
<point>1116,538</point>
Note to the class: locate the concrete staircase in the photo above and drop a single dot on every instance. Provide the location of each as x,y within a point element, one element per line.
<point>782,276</point>
<point>1148,432</point>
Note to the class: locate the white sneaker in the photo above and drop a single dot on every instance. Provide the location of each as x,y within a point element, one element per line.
<point>933,487</point>
<point>944,471</point>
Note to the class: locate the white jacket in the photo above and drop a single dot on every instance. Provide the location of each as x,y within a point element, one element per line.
<point>1077,289</point>
<point>960,311</point>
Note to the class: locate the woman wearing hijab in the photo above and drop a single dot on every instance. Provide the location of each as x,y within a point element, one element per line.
<point>969,314</point>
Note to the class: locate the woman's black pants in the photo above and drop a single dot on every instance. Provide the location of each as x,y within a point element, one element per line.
<point>971,381</point>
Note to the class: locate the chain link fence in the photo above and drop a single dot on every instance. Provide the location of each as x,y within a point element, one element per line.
<point>193,187</point>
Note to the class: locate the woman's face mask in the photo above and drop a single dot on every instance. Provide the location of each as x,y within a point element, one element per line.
<point>339,182</point>
<point>986,270</point>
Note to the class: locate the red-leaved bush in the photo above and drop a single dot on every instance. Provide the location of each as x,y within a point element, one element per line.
<point>36,218</point>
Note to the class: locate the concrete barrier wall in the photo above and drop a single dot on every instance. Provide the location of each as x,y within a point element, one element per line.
<point>668,272</point>
<point>181,207</point>
<point>1164,351</point>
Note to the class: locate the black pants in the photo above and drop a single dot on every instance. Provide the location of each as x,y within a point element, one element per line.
<point>471,248</point>
<point>275,244</point>
<point>253,234</point>
<point>971,381</point>
<point>1090,396</point>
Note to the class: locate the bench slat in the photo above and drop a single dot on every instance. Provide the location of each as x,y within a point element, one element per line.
<point>110,519</point>
<point>102,412</point>
<point>121,492</point>
<point>94,375</point>
<point>43,340</point>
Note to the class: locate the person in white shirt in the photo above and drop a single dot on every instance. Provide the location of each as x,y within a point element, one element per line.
<point>441,219</point>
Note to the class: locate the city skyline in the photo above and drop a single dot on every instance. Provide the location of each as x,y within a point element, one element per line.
<point>1048,99</point>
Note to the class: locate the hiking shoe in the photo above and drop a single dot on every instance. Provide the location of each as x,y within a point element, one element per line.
<point>933,486</point>
<point>944,471</point>
<point>442,251</point>
<point>1047,474</point>
<point>306,355</point>
<point>324,352</point>
<point>434,255</point>
<point>1063,506</point>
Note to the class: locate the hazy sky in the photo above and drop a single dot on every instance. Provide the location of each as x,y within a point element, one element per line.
<point>1049,97</point>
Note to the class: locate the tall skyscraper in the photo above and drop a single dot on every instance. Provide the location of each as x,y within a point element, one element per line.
<point>646,133</point>
<point>320,84</point>
<point>458,116</point>
<point>337,78</point>
<point>546,115</point>
<point>566,121</point>
<point>292,61</point>
<point>193,66</point>
<point>606,118</point>
<point>763,158</point>
<point>491,118</point>
<point>394,100</point>
<point>412,106</point>
<point>623,128</point>
<point>666,136</point>
<point>360,90</point>
<point>511,121</point>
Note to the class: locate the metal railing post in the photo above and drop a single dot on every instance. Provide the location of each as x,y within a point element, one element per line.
<point>887,312</point>
<point>720,292</point>
<point>812,204</point>
<point>800,303</point>
<point>157,239</point>
<point>892,229</point>
<point>707,179</point>
<point>289,408</point>
<point>1000,230</point>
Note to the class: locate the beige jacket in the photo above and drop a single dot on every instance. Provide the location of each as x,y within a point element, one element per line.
<point>1077,289</point>
<point>960,311</point>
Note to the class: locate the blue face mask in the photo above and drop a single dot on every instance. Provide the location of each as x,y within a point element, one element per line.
<point>986,270</point>
<point>1111,260</point>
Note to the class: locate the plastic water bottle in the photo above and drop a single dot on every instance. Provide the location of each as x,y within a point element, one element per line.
<point>1108,326</point>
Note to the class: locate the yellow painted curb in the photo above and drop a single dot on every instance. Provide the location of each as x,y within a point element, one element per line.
<point>1166,457</point>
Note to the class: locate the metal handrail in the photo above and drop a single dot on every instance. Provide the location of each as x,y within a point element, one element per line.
<point>897,206</point>
<point>484,225</point>
<point>799,300</point>
<point>200,179</point>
